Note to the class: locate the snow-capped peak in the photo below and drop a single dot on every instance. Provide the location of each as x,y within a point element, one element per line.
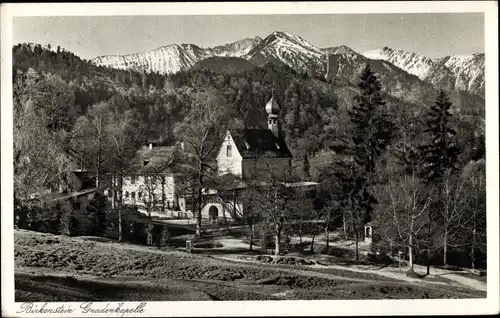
<point>464,72</point>
<point>341,49</point>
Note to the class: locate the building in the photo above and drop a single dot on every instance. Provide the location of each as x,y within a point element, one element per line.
<point>250,155</point>
<point>151,183</point>
<point>256,153</point>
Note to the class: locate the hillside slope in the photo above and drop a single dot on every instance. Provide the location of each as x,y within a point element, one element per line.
<point>59,268</point>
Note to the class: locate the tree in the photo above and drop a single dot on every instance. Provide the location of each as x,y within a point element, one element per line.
<point>302,212</point>
<point>69,224</point>
<point>126,136</point>
<point>329,198</point>
<point>96,214</point>
<point>403,217</point>
<point>40,165</point>
<point>91,142</point>
<point>202,132</point>
<point>372,131</point>
<point>252,214</point>
<point>439,157</point>
<point>151,199</point>
<point>274,199</point>
<point>476,203</point>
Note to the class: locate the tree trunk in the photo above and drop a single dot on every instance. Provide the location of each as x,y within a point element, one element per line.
<point>149,238</point>
<point>198,214</point>
<point>429,240</point>
<point>345,225</point>
<point>356,236</point>
<point>312,242</point>
<point>300,236</point>
<point>327,234</point>
<point>251,237</point>
<point>200,200</point>
<point>445,248</point>
<point>234,204</point>
<point>163,196</point>
<point>410,246</point>
<point>473,246</point>
<point>120,206</point>
<point>98,170</point>
<point>277,241</point>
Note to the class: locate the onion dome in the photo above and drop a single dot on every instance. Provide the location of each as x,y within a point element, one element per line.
<point>272,107</point>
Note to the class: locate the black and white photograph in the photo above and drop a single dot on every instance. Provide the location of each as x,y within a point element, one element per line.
<point>310,154</point>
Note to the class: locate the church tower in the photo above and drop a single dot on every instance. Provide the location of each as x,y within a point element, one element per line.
<point>272,109</point>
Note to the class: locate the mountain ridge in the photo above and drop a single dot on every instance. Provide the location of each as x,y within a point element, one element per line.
<point>453,72</point>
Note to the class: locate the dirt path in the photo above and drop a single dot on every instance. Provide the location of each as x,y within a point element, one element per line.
<point>294,271</point>
<point>388,273</point>
<point>451,275</point>
<point>391,276</point>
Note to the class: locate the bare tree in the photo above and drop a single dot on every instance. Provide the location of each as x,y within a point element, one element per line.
<point>452,213</point>
<point>403,219</point>
<point>302,212</point>
<point>125,138</point>
<point>90,142</point>
<point>476,203</point>
<point>202,131</point>
<point>252,214</point>
<point>150,200</point>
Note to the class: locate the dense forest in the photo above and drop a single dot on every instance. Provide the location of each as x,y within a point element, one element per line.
<point>64,106</point>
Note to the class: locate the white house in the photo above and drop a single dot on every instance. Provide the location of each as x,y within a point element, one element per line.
<point>151,182</point>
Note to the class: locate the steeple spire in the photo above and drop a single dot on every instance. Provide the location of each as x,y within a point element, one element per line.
<point>272,109</point>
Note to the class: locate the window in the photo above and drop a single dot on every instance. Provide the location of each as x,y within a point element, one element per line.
<point>110,193</point>
<point>126,194</point>
<point>139,195</point>
<point>133,195</point>
<point>228,151</point>
<point>133,179</point>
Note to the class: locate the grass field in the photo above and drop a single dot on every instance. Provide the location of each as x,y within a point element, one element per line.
<point>58,268</point>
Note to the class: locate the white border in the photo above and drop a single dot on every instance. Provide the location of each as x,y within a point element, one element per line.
<point>268,308</point>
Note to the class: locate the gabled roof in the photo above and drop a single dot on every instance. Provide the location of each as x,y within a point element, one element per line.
<point>259,143</point>
<point>157,159</point>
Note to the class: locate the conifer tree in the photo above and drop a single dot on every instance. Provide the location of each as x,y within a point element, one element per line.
<point>439,157</point>
<point>441,153</point>
<point>372,132</point>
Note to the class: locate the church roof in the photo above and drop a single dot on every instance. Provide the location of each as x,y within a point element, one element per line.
<point>259,143</point>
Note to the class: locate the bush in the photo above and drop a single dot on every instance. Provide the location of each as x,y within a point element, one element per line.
<point>380,258</point>
<point>164,237</point>
<point>69,224</point>
<point>381,247</point>
<point>338,252</point>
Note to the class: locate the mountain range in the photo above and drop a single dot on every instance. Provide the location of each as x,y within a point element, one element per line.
<point>396,67</point>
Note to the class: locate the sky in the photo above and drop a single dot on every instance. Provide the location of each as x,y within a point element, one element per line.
<point>430,34</point>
